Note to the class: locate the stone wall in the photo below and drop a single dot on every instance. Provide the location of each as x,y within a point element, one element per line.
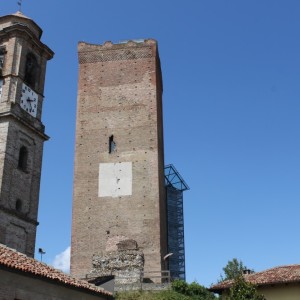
<point>126,265</point>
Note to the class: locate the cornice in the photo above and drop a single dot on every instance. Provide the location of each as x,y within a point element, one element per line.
<point>25,123</point>
<point>20,29</point>
<point>18,215</point>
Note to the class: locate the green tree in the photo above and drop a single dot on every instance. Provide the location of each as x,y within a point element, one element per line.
<point>233,269</point>
<point>242,290</point>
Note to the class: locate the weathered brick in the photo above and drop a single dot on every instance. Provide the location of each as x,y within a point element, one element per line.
<point>19,186</point>
<point>119,95</point>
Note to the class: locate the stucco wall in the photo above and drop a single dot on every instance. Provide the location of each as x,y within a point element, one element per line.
<point>281,292</point>
<point>16,286</point>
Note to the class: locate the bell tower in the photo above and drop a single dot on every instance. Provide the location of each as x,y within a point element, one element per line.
<point>23,59</point>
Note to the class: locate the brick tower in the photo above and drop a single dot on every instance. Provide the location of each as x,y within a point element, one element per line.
<point>119,189</point>
<point>23,59</point>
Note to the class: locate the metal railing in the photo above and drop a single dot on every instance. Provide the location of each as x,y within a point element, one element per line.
<point>146,280</point>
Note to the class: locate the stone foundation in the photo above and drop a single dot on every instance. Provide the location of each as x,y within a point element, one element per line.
<point>126,263</point>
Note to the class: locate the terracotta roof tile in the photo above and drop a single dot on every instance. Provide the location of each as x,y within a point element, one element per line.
<point>277,275</point>
<point>15,260</point>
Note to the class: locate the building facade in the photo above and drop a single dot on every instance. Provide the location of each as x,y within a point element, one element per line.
<point>119,192</point>
<point>23,59</point>
<point>282,282</point>
<point>24,278</point>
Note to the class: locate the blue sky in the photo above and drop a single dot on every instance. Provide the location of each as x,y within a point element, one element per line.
<point>231,72</point>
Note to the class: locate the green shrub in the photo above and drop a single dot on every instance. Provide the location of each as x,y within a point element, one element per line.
<point>180,286</point>
<point>163,295</point>
<point>169,295</point>
<point>194,290</point>
<point>180,291</point>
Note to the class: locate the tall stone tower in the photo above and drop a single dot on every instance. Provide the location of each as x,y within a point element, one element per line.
<point>119,189</point>
<point>23,59</point>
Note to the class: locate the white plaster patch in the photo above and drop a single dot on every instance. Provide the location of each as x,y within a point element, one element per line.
<point>115,179</point>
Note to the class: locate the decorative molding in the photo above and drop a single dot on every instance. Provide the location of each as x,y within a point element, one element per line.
<point>18,215</point>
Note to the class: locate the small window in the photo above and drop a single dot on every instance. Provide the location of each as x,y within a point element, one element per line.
<point>1,84</point>
<point>23,157</point>
<point>112,144</point>
<point>18,205</point>
<point>31,70</point>
<point>2,55</point>
<point>1,62</point>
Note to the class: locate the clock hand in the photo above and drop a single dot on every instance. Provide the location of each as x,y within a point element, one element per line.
<point>29,100</point>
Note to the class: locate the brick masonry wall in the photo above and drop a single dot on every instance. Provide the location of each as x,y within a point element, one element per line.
<point>16,184</point>
<point>119,94</point>
<point>19,188</point>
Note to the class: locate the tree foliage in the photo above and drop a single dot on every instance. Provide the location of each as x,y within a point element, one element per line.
<point>233,269</point>
<point>144,295</point>
<point>242,290</point>
<point>180,291</point>
<point>193,290</point>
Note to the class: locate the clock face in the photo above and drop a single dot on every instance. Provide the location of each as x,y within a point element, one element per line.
<point>29,100</point>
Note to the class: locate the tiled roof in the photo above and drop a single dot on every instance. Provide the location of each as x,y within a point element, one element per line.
<point>12,259</point>
<point>277,275</point>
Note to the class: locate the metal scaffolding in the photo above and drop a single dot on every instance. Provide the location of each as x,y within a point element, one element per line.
<point>175,186</point>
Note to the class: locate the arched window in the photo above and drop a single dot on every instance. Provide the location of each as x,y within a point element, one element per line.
<point>31,70</point>
<point>23,157</point>
<point>18,205</point>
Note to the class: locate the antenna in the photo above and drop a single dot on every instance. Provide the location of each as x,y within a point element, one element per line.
<point>20,5</point>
